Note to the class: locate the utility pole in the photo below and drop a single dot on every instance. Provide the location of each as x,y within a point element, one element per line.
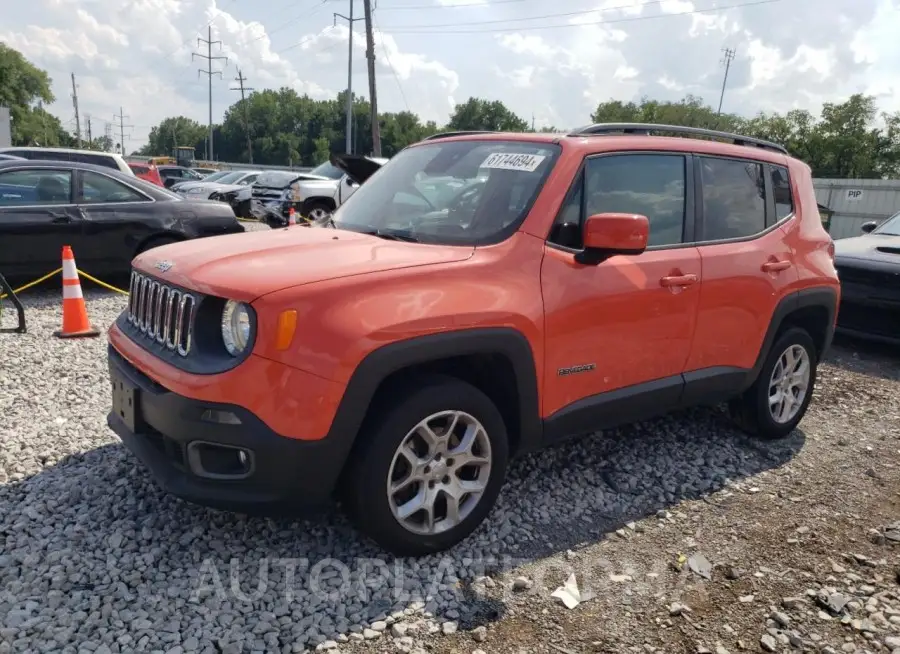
<point>729,56</point>
<point>122,127</point>
<point>241,79</point>
<point>373,98</point>
<point>77,121</point>
<point>210,72</point>
<point>90,139</point>
<point>350,20</point>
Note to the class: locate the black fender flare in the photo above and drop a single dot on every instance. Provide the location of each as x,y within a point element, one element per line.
<point>823,297</point>
<point>379,364</point>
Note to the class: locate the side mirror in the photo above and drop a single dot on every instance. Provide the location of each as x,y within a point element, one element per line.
<point>608,234</point>
<point>869,227</point>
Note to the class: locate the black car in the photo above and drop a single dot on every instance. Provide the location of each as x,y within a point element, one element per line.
<point>107,217</point>
<point>869,270</point>
<point>171,175</point>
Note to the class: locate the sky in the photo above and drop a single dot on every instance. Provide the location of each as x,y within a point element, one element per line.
<point>551,62</point>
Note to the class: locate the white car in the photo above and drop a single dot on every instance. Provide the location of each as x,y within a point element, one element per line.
<point>107,159</point>
<point>315,194</point>
<point>220,182</point>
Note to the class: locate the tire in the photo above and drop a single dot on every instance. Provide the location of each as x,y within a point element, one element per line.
<point>317,210</point>
<point>752,410</point>
<point>366,492</point>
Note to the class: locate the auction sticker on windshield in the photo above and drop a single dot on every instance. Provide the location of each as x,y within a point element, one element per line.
<point>526,163</point>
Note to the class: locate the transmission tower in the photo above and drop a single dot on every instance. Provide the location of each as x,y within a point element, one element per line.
<point>209,73</point>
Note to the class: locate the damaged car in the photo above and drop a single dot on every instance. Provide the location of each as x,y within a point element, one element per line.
<point>314,194</point>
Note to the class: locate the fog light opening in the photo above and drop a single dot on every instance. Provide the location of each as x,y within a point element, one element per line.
<point>216,461</point>
<point>220,417</point>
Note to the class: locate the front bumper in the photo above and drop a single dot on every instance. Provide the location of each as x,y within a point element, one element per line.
<point>870,304</point>
<point>200,461</point>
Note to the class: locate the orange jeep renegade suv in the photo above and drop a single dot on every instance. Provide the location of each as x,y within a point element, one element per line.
<point>480,296</point>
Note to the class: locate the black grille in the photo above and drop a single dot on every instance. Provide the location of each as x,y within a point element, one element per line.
<point>267,194</point>
<point>162,313</point>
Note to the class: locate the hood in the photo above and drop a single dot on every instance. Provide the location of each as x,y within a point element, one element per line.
<point>252,264</point>
<point>184,186</point>
<point>210,187</point>
<point>357,167</point>
<point>284,178</point>
<point>872,247</point>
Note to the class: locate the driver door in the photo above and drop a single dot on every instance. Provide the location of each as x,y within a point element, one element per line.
<point>115,221</point>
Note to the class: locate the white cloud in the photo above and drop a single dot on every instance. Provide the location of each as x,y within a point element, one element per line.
<point>136,54</point>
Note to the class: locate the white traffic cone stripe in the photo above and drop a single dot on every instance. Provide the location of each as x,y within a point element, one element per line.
<point>69,271</point>
<point>72,292</point>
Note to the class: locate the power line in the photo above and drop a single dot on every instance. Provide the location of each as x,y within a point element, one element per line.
<point>430,29</point>
<point>307,39</point>
<point>122,127</point>
<point>391,66</point>
<point>461,5</point>
<point>729,56</point>
<point>241,79</point>
<point>209,73</point>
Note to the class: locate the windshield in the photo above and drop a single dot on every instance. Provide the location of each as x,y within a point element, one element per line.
<point>192,174</point>
<point>229,177</point>
<point>453,192</point>
<point>327,170</point>
<point>890,227</point>
<point>216,176</point>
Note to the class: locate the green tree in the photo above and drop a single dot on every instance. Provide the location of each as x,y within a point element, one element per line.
<point>175,132</point>
<point>480,114</point>
<point>25,88</point>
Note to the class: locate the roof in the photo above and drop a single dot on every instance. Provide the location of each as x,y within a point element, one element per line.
<point>32,147</point>
<point>44,163</point>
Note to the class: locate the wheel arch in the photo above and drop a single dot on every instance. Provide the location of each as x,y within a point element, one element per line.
<point>167,235</point>
<point>498,360</point>
<point>318,199</point>
<point>812,309</point>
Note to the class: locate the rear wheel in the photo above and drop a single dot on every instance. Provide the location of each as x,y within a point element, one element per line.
<point>429,469</point>
<point>776,403</point>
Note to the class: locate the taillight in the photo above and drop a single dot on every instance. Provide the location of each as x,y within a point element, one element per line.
<point>831,250</point>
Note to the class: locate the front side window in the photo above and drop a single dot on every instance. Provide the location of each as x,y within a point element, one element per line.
<point>102,189</point>
<point>652,185</point>
<point>190,174</point>
<point>22,188</point>
<point>734,199</point>
<point>453,192</point>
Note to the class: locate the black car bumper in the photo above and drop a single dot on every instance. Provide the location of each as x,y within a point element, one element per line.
<point>243,467</point>
<point>870,304</point>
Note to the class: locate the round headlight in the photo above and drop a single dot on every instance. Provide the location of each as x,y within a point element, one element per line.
<point>236,327</point>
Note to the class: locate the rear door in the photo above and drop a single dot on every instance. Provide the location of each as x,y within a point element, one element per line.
<point>117,218</point>
<point>747,265</point>
<point>37,218</point>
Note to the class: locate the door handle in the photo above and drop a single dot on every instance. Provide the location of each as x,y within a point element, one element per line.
<point>677,280</point>
<point>60,217</point>
<point>775,266</point>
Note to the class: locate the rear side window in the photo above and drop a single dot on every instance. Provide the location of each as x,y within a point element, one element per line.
<point>781,189</point>
<point>734,198</point>
<point>96,159</point>
<point>140,170</point>
<point>45,155</point>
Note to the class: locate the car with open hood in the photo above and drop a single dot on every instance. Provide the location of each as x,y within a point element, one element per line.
<point>314,194</point>
<point>869,269</point>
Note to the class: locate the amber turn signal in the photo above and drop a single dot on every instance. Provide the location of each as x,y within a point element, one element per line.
<point>287,324</point>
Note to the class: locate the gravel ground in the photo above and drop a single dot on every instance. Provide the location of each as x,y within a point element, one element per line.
<point>799,537</point>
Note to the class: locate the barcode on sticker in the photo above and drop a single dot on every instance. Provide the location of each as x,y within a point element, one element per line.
<point>527,163</point>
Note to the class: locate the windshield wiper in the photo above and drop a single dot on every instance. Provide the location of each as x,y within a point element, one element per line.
<point>390,236</point>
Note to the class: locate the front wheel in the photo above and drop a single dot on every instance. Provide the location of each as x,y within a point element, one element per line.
<point>317,210</point>
<point>429,468</point>
<point>779,398</point>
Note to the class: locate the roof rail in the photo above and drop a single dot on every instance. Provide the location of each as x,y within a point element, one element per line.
<point>646,129</point>
<point>444,135</point>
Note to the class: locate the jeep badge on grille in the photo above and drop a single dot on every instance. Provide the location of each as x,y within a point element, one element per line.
<point>164,266</point>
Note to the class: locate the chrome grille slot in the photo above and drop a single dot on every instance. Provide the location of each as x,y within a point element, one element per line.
<point>162,313</point>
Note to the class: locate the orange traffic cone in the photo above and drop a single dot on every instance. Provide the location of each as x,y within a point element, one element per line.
<point>292,216</point>
<point>75,318</point>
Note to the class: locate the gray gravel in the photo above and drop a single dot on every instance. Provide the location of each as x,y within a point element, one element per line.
<point>95,558</point>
